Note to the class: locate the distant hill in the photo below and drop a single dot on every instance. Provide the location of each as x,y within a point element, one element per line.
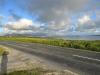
<point>25,35</point>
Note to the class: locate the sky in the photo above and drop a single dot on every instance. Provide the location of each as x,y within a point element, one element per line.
<point>50,17</point>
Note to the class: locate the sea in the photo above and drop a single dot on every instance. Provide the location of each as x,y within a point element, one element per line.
<point>86,37</point>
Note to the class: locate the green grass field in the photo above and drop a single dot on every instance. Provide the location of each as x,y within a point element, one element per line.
<point>78,44</point>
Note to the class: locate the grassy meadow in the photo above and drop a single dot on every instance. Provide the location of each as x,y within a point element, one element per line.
<point>78,44</point>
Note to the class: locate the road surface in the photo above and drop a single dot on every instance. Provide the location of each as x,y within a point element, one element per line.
<point>79,61</point>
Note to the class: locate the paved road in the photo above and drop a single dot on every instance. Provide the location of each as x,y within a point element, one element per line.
<point>80,61</point>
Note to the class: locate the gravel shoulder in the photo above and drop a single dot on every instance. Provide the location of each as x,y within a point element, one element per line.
<point>17,60</point>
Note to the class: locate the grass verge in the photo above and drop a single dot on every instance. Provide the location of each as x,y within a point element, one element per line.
<point>78,44</point>
<point>36,71</point>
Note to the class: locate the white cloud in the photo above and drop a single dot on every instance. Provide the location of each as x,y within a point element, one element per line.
<point>87,24</point>
<point>84,19</point>
<point>21,24</point>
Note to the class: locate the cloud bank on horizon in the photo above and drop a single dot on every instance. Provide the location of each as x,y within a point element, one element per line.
<point>50,17</point>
